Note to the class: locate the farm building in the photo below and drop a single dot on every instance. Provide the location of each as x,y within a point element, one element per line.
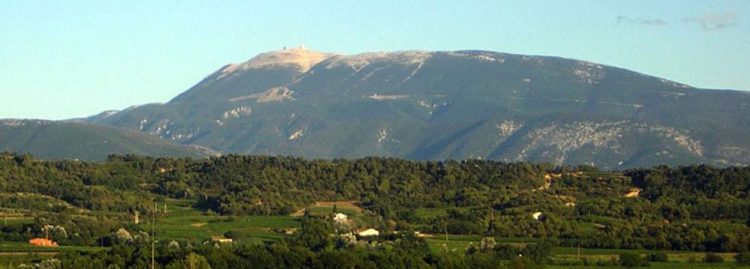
<point>42,242</point>
<point>368,232</point>
<point>537,215</point>
<point>340,218</point>
<point>634,193</point>
<point>221,239</point>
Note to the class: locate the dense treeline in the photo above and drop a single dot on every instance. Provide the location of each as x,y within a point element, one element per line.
<point>704,191</point>
<point>682,208</point>
<point>271,185</point>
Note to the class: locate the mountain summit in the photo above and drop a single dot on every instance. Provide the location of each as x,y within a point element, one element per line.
<point>450,105</point>
<point>299,57</point>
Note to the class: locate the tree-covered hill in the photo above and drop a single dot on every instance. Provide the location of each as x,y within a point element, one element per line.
<point>681,208</point>
<point>84,141</point>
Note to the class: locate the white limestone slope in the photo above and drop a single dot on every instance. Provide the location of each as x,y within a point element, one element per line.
<point>302,58</point>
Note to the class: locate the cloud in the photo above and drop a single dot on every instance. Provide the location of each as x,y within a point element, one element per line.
<point>640,20</point>
<point>714,21</point>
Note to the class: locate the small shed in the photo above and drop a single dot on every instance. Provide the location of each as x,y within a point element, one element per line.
<point>368,232</point>
<point>221,239</point>
<point>340,218</point>
<point>634,193</point>
<point>42,242</point>
<point>537,215</point>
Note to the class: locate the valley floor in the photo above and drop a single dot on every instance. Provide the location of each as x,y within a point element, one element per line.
<point>183,223</point>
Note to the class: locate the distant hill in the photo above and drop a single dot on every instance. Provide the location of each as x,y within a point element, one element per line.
<point>84,141</point>
<point>450,105</point>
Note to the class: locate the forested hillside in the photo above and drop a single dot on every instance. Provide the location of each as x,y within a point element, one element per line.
<point>681,208</point>
<point>85,141</point>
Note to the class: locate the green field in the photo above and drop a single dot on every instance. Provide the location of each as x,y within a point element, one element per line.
<point>22,252</point>
<point>327,209</point>
<point>6,247</point>
<point>349,208</point>
<point>182,222</point>
<point>14,221</point>
<point>203,227</point>
<point>566,255</point>
<point>461,242</point>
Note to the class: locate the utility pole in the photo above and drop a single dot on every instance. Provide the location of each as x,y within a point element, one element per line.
<point>445,226</point>
<point>153,239</point>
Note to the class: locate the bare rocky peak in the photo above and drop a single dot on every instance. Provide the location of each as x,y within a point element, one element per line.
<point>305,59</point>
<point>301,57</point>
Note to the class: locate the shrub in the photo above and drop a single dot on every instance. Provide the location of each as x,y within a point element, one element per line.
<point>523,263</point>
<point>506,252</point>
<point>743,258</point>
<point>657,257</point>
<point>712,258</point>
<point>631,260</point>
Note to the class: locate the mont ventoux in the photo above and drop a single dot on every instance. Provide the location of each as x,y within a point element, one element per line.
<point>416,105</point>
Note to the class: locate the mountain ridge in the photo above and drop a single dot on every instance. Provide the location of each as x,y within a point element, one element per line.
<point>593,105</point>
<point>85,141</point>
<point>449,105</point>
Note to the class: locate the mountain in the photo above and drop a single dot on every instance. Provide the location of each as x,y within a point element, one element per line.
<point>85,141</point>
<point>450,105</point>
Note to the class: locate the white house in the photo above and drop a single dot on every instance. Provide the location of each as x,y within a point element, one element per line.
<point>340,218</point>
<point>368,232</point>
<point>221,239</point>
<point>536,215</point>
<point>634,193</point>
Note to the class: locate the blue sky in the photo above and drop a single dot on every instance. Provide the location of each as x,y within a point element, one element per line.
<point>65,59</point>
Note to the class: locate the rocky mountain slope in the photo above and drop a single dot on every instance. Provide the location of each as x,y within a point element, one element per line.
<point>450,105</point>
